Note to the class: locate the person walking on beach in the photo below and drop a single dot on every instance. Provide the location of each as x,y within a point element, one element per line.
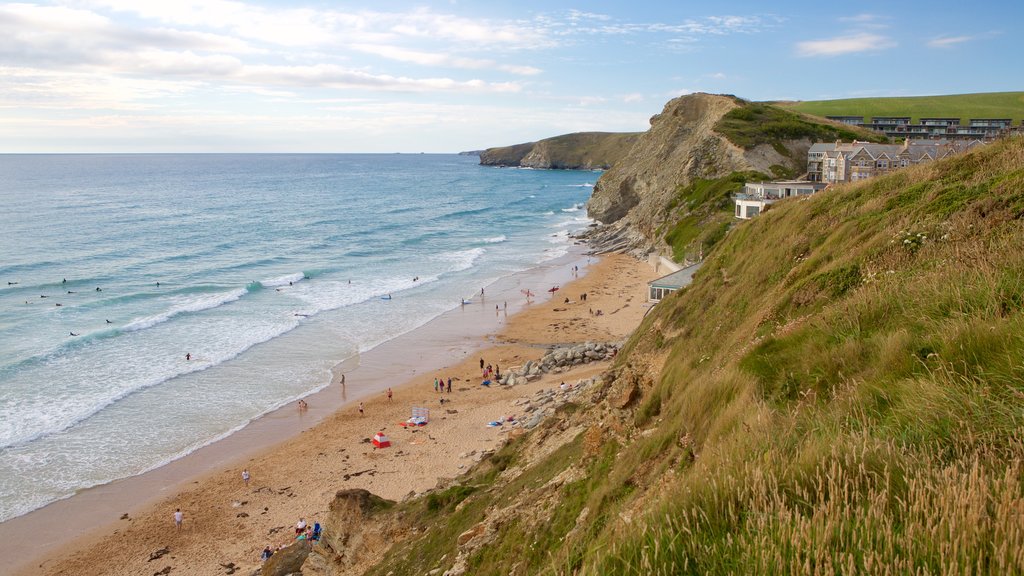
<point>360,408</point>
<point>342,379</point>
<point>245,477</point>
<point>178,519</point>
<point>435,384</point>
<point>481,363</point>
<point>389,394</point>
<point>449,384</point>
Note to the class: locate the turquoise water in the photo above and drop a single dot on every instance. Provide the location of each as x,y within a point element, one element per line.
<point>267,270</point>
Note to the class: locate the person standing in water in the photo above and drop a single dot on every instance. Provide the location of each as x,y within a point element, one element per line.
<point>188,356</point>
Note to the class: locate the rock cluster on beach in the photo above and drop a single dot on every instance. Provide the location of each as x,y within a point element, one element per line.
<point>559,359</point>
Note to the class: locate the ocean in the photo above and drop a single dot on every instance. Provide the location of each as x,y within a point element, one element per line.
<point>266,270</point>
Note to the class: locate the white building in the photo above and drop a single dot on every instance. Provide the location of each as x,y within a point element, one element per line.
<point>756,196</point>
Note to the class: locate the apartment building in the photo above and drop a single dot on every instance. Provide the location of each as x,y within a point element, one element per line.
<point>854,161</point>
<point>944,128</point>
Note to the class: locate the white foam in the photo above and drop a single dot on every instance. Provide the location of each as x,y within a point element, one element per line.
<point>285,280</point>
<point>461,259</point>
<point>495,240</point>
<point>183,306</point>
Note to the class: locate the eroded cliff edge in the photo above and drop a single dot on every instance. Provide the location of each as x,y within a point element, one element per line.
<point>670,192</point>
<point>578,151</point>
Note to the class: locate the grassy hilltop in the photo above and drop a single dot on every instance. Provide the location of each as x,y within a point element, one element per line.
<point>963,106</point>
<point>841,390</point>
<point>580,150</point>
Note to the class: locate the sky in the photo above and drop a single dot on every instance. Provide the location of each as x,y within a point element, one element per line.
<point>456,75</point>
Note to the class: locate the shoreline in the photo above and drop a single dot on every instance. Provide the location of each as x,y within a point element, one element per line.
<point>375,370</point>
<point>450,343</point>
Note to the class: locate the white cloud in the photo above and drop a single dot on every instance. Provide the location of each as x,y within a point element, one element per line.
<point>948,41</point>
<point>633,97</point>
<point>440,59</point>
<point>851,44</point>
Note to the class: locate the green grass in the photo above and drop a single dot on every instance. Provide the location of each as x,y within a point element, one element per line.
<point>755,123</point>
<point>963,106</point>
<point>826,398</point>
<point>568,151</point>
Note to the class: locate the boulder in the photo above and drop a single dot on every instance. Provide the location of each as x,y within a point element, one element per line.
<point>288,560</point>
<point>351,528</point>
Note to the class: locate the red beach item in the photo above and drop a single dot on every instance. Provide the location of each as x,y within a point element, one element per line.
<point>381,441</point>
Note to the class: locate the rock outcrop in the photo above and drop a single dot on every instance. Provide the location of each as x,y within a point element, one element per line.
<point>287,560</point>
<point>558,359</point>
<point>680,147</point>
<point>351,533</point>
<point>579,151</point>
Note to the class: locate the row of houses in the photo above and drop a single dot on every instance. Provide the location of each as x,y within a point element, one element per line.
<point>854,161</point>
<point>949,128</point>
<point>840,162</point>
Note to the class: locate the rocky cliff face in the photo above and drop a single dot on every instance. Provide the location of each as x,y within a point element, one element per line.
<point>680,147</point>
<point>579,151</point>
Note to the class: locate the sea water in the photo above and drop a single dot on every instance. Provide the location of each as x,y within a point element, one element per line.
<point>267,270</point>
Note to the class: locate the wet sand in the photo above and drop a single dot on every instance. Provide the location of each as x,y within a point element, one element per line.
<point>324,447</point>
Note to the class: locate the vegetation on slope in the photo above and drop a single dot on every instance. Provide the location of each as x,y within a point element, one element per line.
<point>840,391</point>
<point>963,106</point>
<point>581,150</point>
<point>701,213</point>
<point>756,123</point>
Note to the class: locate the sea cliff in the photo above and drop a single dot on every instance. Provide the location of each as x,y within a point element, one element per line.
<point>578,151</point>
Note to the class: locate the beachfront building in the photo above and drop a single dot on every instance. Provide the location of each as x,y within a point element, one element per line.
<point>851,162</point>
<point>669,283</point>
<point>757,196</point>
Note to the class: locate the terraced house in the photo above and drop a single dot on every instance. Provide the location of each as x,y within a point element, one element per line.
<point>855,161</point>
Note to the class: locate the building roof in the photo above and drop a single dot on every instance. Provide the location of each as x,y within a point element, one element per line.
<point>676,280</point>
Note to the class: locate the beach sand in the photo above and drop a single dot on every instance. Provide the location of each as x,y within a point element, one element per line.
<point>226,521</point>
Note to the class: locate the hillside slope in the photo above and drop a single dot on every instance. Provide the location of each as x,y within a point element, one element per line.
<point>671,191</point>
<point>578,151</point>
<point>841,390</point>
<point>963,106</point>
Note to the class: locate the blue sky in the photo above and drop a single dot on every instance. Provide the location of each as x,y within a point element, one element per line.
<point>446,76</point>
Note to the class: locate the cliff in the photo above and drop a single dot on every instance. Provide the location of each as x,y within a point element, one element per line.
<point>839,390</point>
<point>699,150</point>
<point>579,151</point>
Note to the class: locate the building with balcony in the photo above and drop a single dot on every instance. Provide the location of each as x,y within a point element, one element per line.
<point>757,196</point>
<point>851,162</point>
<point>937,128</point>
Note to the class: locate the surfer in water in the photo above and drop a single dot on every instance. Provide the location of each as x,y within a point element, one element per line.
<point>109,322</point>
<point>73,334</point>
<point>188,356</point>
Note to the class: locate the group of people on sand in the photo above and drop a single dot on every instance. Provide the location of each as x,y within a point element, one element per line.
<point>304,533</point>
<point>439,386</point>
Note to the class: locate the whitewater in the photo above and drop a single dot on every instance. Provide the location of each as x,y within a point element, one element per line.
<point>265,270</point>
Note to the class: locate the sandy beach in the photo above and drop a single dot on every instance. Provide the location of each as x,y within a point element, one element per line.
<point>229,522</point>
